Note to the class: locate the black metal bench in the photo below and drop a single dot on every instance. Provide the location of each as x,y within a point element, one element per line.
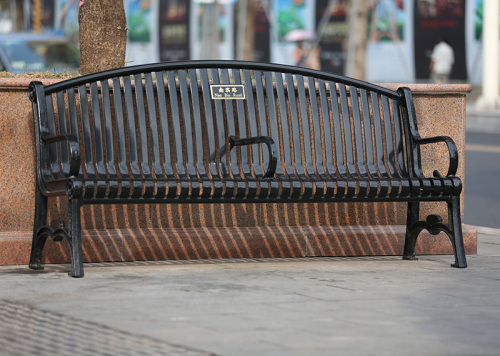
<point>227,131</point>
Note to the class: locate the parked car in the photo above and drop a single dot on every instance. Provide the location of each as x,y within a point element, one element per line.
<point>27,52</point>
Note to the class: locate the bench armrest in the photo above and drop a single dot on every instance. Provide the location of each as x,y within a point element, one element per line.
<point>74,151</point>
<point>271,146</point>
<point>452,149</point>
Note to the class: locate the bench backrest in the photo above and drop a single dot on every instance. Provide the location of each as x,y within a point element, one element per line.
<point>174,120</point>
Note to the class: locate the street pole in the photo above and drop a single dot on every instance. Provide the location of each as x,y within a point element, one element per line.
<point>356,49</point>
<point>209,36</point>
<point>490,98</point>
<point>351,41</point>
<point>242,17</point>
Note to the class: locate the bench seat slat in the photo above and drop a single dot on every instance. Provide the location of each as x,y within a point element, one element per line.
<point>221,149</point>
<point>185,121</point>
<point>304,107</point>
<point>368,128</point>
<point>178,143</point>
<point>133,143</point>
<point>108,129</point>
<point>86,130</point>
<point>327,117</point>
<point>72,113</point>
<point>243,130</point>
<point>143,143</point>
<point>164,131</point>
<point>331,190</point>
<point>197,124</point>
<point>255,165</point>
<point>378,135</point>
<point>389,151</point>
<point>262,115</point>
<point>230,123</point>
<point>120,127</point>
<point>51,130</point>
<point>98,144</point>
<point>61,118</point>
<point>153,125</point>
<point>399,139</point>
<point>270,120</point>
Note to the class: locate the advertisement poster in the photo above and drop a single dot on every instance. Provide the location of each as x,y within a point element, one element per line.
<point>174,30</point>
<point>213,30</point>
<point>66,17</point>
<point>47,17</point>
<point>440,19</point>
<point>142,31</point>
<point>290,15</point>
<point>333,28</point>
<point>389,50</point>
<point>139,19</point>
<point>473,39</point>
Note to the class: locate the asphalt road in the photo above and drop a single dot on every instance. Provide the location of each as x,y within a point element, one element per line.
<point>482,179</point>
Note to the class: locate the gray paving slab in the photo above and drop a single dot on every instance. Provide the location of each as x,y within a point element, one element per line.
<point>317,306</point>
<point>481,121</point>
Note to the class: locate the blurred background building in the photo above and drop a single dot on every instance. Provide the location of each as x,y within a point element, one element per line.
<point>392,40</point>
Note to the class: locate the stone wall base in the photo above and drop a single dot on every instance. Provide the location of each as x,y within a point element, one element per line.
<point>146,244</point>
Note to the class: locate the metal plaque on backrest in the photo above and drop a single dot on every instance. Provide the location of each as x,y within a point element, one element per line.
<point>227,91</point>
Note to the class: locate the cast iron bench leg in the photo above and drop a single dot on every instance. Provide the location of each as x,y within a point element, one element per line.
<point>411,236</point>
<point>455,222</point>
<point>434,225</point>
<point>40,221</point>
<point>74,229</point>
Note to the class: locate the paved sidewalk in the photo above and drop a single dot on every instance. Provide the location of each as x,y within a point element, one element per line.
<point>320,306</point>
<point>480,120</point>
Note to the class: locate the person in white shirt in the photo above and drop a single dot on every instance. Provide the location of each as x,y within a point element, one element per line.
<point>442,60</point>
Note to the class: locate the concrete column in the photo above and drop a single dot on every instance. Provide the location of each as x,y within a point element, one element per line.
<point>490,98</point>
<point>209,27</point>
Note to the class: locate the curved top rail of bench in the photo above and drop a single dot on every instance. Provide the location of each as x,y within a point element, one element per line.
<point>196,64</point>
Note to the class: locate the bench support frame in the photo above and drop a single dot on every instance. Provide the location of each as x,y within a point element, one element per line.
<point>434,224</point>
<point>57,231</point>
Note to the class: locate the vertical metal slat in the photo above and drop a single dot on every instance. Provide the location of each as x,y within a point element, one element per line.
<point>198,133</point>
<point>306,161</point>
<point>153,125</point>
<point>188,134</point>
<point>87,135</point>
<point>142,144</point>
<point>97,134</point>
<point>167,186</point>
<point>61,117</point>
<point>357,139</point>
<point>213,151</point>
<point>52,148</point>
<point>108,129</point>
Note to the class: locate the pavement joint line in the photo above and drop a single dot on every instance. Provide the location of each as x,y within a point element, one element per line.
<point>487,230</point>
<point>482,148</point>
<point>26,330</point>
<point>64,266</point>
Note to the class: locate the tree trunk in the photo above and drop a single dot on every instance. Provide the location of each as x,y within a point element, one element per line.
<point>249,44</point>
<point>360,41</point>
<point>357,39</point>
<point>103,35</point>
<point>19,16</point>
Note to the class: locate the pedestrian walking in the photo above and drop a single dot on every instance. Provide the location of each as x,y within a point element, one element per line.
<point>442,60</point>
